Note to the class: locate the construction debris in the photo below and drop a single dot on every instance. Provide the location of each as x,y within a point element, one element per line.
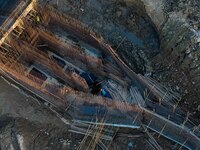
<point>60,60</point>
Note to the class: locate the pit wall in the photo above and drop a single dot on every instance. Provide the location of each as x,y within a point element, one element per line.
<point>179,40</point>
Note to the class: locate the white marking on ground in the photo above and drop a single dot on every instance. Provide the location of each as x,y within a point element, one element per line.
<point>11,147</point>
<point>21,141</point>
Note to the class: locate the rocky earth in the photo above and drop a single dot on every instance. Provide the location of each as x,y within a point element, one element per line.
<point>178,25</point>
<point>128,31</point>
<point>160,39</point>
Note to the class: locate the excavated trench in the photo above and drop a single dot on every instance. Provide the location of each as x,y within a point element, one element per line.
<point>158,39</point>
<point>153,38</point>
<point>144,36</point>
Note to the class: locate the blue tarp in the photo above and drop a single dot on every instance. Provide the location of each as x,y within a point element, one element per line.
<point>105,93</point>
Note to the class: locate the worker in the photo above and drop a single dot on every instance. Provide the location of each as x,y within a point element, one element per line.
<point>103,92</point>
<point>38,19</point>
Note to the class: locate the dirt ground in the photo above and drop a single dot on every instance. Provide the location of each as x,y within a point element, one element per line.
<point>26,124</point>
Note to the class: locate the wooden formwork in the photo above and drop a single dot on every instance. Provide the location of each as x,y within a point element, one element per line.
<point>62,96</point>
<point>32,54</point>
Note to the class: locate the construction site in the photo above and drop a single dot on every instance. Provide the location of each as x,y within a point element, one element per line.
<point>73,70</point>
